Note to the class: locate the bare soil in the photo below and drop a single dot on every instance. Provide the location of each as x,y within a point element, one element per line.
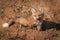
<point>12,9</point>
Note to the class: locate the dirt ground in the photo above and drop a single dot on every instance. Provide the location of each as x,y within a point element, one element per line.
<point>12,9</point>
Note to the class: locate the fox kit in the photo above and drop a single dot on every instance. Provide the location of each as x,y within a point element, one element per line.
<point>29,20</point>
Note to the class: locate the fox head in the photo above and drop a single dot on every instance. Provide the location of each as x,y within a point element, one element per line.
<point>37,14</point>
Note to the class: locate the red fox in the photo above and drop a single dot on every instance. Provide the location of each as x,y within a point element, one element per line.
<point>29,20</point>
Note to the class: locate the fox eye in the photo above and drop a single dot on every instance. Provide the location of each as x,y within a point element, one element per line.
<point>35,15</point>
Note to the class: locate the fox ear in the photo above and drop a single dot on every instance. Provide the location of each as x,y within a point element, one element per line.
<point>41,9</point>
<point>33,10</point>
